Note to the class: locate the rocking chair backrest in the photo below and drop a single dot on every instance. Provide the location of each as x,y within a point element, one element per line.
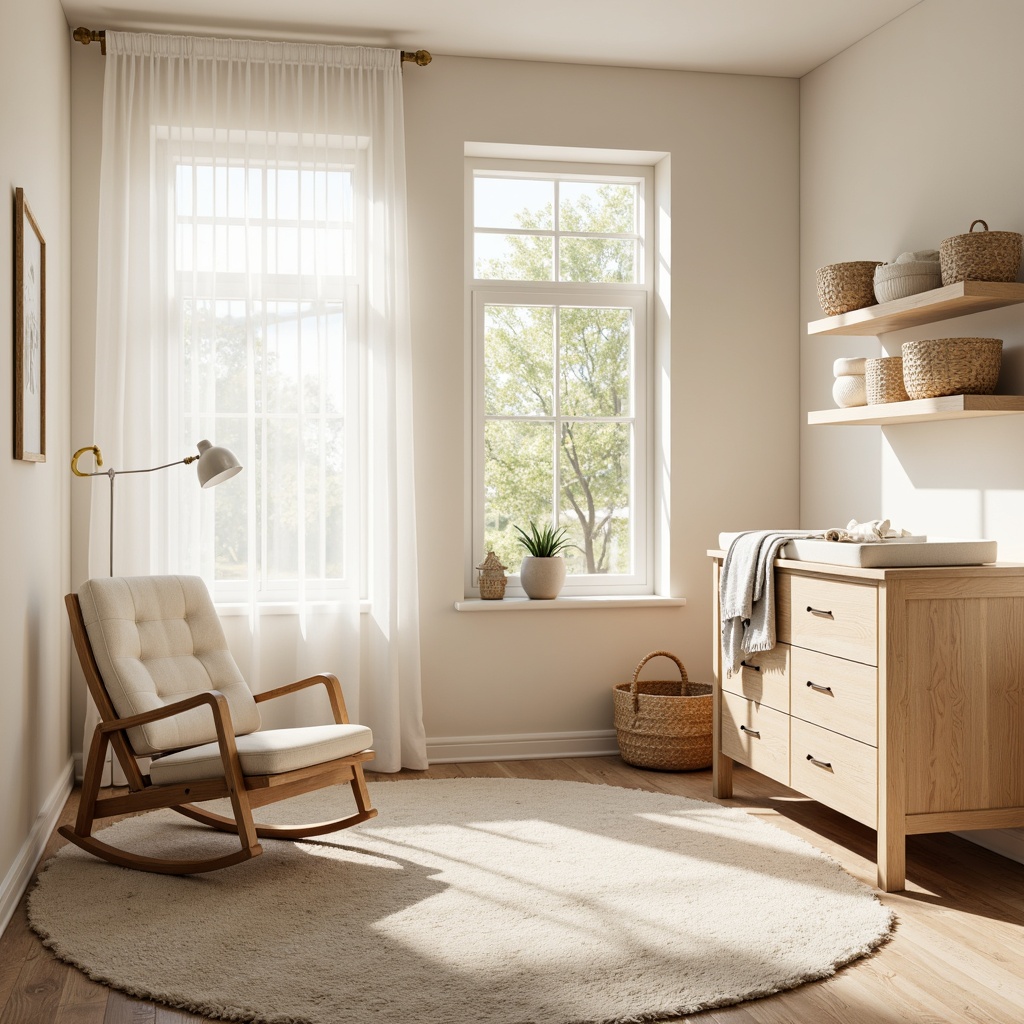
<point>156,640</point>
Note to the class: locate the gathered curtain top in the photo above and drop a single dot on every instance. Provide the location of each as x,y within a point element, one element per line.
<point>150,44</point>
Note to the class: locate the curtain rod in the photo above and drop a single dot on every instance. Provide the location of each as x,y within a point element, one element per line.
<point>89,35</point>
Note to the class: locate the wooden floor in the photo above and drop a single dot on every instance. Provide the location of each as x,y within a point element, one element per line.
<point>958,952</point>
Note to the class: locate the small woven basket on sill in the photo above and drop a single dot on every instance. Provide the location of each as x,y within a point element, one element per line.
<point>982,256</point>
<point>951,366</point>
<point>843,287</point>
<point>883,379</point>
<point>663,723</point>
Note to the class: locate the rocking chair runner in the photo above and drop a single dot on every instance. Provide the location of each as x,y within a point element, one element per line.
<point>158,667</point>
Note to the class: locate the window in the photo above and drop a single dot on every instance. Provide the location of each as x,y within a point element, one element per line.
<point>560,297</point>
<point>266,362</point>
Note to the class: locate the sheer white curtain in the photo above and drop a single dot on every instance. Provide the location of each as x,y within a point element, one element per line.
<point>252,290</point>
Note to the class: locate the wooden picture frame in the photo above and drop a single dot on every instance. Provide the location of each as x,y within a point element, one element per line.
<point>29,334</point>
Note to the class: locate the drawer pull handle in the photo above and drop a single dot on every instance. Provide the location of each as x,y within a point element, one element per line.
<point>753,668</point>
<point>751,732</point>
<point>820,611</point>
<point>827,765</point>
<point>820,688</point>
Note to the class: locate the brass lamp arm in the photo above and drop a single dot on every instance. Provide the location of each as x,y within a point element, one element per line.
<point>117,472</point>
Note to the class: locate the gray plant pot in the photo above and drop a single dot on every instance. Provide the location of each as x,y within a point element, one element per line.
<point>542,578</point>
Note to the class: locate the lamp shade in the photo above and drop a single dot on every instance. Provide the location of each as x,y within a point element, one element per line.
<point>216,464</point>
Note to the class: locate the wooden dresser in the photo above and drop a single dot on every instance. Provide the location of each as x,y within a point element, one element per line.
<point>895,696</point>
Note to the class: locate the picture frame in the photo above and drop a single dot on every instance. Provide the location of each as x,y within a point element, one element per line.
<point>29,334</point>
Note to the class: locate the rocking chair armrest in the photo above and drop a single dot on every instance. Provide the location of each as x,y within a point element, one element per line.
<point>329,680</point>
<point>214,698</point>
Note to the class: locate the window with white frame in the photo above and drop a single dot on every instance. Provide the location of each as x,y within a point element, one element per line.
<point>265,324</point>
<point>560,285</point>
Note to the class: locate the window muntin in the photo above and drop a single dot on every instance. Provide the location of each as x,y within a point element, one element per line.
<point>561,296</point>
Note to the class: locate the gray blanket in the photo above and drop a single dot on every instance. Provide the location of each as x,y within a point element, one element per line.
<point>747,593</point>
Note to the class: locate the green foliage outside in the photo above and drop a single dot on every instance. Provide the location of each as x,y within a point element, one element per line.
<point>590,499</point>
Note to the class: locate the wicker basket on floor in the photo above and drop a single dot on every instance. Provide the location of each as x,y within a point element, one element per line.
<point>664,723</point>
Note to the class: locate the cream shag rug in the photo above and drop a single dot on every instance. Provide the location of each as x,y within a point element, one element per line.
<point>476,901</point>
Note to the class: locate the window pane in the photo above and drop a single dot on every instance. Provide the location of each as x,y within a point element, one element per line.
<point>512,203</point>
<point>596,352</point>
<point>519,360</point>
<point>323,469</point>
<point>518,484</point>
<point>594,494</point>
<point>591,206</point>
<point>597,259</point>
<point>282,497</point>
<point>514,257</point>
<point>230,505</point>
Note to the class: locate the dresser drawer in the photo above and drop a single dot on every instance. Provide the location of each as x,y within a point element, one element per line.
<point>756,735</point>
<point>763,678</point>
<point>829,616</point>
<point>835,693</point>
<point>835,770</point>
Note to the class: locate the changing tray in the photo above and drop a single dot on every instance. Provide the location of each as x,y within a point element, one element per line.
<point>887,554</point>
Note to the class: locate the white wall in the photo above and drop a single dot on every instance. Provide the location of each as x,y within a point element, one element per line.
<point>906,138</point>
<point>35,83</point>
<point>733,350</point>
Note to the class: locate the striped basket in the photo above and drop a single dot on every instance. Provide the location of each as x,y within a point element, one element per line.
<point>664,723</point>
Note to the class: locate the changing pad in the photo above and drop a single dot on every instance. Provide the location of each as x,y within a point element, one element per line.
<point>885,554</point>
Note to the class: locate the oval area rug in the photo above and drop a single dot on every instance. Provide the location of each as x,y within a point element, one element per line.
<point>467,901</point>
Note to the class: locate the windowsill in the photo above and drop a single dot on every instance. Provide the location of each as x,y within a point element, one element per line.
<point>568,604</point>
<point>228,608</point>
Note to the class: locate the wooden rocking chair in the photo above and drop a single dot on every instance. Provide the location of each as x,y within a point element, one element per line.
<point>158,667</point>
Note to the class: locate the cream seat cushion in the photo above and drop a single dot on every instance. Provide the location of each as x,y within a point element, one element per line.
<point>157,640</point>
<point>264,753</point>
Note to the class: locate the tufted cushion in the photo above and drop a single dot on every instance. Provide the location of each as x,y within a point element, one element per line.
<point>265,753</point>
<point>157,640</point>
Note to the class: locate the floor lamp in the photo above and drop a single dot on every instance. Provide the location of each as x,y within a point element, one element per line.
<point>216,465</point>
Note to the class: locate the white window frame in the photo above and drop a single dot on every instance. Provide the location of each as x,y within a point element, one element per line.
<point>638,296</point>
<point>341,289</point>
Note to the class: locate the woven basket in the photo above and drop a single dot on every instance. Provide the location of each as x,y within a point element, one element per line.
<point>843,287</point>
<point>884,380</point>
<point>898,280</point>
<point>951,366</point>
<point>664,723</point>
<point>985,256</point>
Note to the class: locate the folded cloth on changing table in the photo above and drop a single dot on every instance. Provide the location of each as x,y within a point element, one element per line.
<point>747,593</point>
<point>869,532</point>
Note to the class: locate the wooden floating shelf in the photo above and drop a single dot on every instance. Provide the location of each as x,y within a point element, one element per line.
<point>923,308</point>
<point>920,410</point>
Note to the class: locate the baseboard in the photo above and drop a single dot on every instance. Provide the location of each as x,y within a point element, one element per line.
<point>521,747</point>
<point>13,887</point>
<point>1009,842</point>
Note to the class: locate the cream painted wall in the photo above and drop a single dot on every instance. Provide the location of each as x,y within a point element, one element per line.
<point>733,351</point>
<point>906,138</point>
<point>35,88</point>
<point>731,457</point>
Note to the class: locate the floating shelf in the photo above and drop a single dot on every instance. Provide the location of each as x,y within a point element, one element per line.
<point>923,308</point>
<point>919,410</point>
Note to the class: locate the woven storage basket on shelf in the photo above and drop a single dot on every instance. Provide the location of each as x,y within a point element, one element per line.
<point>985,256</point>
<point>884,380</point>
<point>898,280</point>
<point>951,366</point>
<point>843,287</point>
<point>664,723</point>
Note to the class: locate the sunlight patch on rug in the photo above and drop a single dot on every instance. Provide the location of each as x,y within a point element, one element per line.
<point>483,901</point>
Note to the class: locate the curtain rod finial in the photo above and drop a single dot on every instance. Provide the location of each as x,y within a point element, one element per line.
<point>420,57</point>
<point>85,36</point>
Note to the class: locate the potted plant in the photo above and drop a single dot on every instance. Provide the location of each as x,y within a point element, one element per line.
<point>543,570</point>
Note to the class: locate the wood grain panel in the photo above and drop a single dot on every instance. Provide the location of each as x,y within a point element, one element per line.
<point>836,694</point>
<point>763,678</point>
<point>830,616</point>
<point>846,775</point>
<point>965,683</point>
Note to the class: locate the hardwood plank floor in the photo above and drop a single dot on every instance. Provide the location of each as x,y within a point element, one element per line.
<point>957,956</point>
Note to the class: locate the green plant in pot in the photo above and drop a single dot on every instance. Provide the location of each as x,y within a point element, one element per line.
<point>543,570</point>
